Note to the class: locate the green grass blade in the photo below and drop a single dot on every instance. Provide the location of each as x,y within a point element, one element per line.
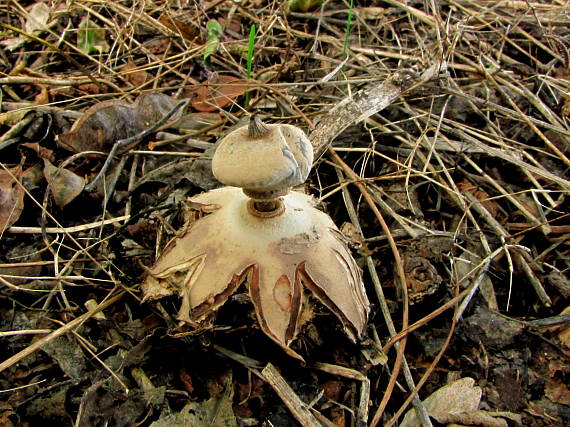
<point>250,48</point>
<point>348,28</point>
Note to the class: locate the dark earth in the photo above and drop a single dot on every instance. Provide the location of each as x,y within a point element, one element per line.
<point>462,175</point>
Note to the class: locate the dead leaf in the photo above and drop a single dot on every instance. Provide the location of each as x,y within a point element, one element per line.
<point>102,125</point>
<point>564,335</point>
<point>372,12</point>
<point>33,176</point>
<point>37,18</point>
<point>476,418</point>
<point>217,92</point>
<point>11,197</point>
<point>556,386</point>
<point>456,397</point>
<point>566,106</point>
<point>217,411</point>
<point>158,45</point>
<point>64,185</point>
<point>42,152</point>
<point>481,195</point>
<point>185,30</point>
<point>42,98</point>
<point>135,76</point>
<point>36,22</point>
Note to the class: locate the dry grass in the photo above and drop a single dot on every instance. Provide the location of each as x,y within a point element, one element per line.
<point>477,155</point>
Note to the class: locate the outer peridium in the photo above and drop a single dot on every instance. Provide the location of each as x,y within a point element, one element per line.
<point>275,257</point>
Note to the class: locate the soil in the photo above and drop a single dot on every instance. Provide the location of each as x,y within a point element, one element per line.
<point>450,191</point>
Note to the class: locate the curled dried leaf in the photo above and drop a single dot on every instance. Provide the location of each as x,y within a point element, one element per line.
<point>37,18</point>
<point>135,76</point>
<point>42,152</point>
<point>480,195</point>
<point>178,26</point>
<point>217,92</point>
<point>102,125</point>
<point>11,197</point>
<point>64,185</point>
<point>457,397</point>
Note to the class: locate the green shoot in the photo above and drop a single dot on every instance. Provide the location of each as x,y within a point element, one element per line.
<point>250,46</point>
<point>348,27</point>
<point>215,31</point>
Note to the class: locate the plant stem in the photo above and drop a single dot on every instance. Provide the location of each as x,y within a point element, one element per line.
<point>347,31</point>
<point>250,46</point>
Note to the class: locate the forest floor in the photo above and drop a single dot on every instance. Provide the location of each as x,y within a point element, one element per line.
<point>442,140</point>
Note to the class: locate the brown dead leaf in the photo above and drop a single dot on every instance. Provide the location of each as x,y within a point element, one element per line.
<point>42,152</point>
<point>102,125</point>
<point>135,76</point>
<point>566,106</point>
<point>475,418</point>
<point>556,386</point>
<point>564,335</point>
<point>480,195</point>
<point>185,30</point>
<point>217,92</point>
<point>459,396</point>
<point>11,197</point>
<point>42,98</point>
<point>158,45</point>
<point>372,12</point>
<point>33,177</point>
<point>186,380</point>
<point>7,415</point>
<point>64,185</point>
<point>89,89</point>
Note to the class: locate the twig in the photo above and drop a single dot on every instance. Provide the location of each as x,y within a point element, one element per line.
<point>547,322</point>
<point>519,259</point>
<point>365,103</point>
<point>20,80</point>
<point>297,407</point>
<point>75,229</point>
<point>68,327</point>
<point>10,136</point>
<point>422,413</point>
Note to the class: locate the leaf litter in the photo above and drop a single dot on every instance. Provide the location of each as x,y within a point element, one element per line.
<point>465,161</point>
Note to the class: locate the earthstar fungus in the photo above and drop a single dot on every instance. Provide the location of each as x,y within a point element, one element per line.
<point>272,240</point>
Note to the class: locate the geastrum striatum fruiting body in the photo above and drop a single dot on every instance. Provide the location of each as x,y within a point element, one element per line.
<point>262,236</point>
